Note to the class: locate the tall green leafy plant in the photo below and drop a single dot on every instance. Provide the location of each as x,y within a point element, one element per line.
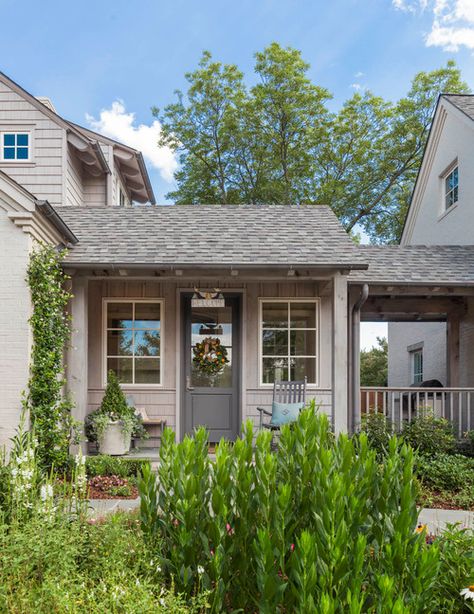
<point>316,526</point>
<point>49,409</point>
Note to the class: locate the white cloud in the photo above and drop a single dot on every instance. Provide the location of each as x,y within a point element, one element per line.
<point>452,25</point>
<point>357,87</point>
<point>117,124</point>
<point>359,74</point>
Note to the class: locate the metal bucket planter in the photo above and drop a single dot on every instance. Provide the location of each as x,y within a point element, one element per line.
<point>113,441</point>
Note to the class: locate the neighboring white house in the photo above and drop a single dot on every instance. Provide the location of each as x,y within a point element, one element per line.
<point>441,213</point>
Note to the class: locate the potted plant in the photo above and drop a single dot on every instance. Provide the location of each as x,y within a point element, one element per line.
<point>114,422</point>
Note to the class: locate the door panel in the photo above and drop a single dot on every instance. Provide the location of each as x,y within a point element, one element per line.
<point>212,400</point>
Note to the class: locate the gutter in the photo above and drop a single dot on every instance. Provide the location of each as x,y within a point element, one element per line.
<point>212,265</point>
<point>100,156</point>
<point>144,171</point>
<point>354,372</point>
<point>47,210</point>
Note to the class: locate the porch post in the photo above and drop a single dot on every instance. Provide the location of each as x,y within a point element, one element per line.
<point>452,347</point>
<point>339,354</point>
<point>76,367</point>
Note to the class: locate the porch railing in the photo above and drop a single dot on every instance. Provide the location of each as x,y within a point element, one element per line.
<point>403,404</point>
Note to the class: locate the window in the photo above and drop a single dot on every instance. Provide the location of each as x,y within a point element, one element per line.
<point>288,340</point>
<point>15,146</point>
<point>121,198</point>
<point>417,366</point>
<point>134,340</point>
<point>451,187</point>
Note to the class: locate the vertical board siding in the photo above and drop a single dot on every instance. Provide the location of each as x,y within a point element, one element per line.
<point>43,177</point>
<point>161,401</point>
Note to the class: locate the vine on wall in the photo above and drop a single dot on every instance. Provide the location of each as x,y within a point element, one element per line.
<point>49,409</point>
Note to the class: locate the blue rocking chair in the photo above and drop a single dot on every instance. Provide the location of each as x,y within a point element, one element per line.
<point>289,398</point>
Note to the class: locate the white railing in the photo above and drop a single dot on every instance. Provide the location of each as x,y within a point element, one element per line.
<point>403,404</point>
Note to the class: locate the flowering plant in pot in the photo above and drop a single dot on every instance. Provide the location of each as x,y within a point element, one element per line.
<point>114,422</point>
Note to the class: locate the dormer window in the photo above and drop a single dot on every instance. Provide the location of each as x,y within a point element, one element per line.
<point>15,147</point>
<point>451,187</point>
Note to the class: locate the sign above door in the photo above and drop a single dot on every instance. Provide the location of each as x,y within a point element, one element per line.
<point>206,298</point>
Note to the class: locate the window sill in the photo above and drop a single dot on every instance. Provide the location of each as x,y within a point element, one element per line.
<point>447,212</point>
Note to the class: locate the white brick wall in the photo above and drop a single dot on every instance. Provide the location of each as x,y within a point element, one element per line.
<point>14,328</point>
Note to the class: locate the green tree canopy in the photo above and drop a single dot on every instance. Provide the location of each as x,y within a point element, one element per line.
<point>277,142</point>
<point>374,364</point>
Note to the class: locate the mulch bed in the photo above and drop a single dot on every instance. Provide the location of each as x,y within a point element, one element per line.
<point>438,500</point>
<point>96,493</point>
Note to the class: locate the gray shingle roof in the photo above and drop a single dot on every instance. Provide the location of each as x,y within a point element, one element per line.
<point>438,264</point>
<point>213,235</point>
<point>464,102</point>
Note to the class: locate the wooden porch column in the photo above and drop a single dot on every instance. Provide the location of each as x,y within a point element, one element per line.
<point>339,354</point>
<point>76,366</point>
<point>452,350</point>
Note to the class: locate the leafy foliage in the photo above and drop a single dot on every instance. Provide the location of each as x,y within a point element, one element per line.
<point>374,364</point>
<point>451,472</point>
<point>429,435</point>
<point>50,324</point>
<point>102,464</point>
<point>318,526</point>
<point>277,142</point>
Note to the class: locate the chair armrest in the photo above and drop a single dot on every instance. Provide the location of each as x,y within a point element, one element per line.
<point>264,411</point>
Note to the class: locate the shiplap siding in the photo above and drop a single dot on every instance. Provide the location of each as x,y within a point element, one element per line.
<point>43,177</point>
<point>94,190</point>
<point>161,401</point>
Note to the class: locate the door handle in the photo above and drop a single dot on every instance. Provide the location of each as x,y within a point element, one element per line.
<point>188,383</point>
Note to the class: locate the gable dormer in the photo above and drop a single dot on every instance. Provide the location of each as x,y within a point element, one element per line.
<point>442,206</point>
<point>62,162</point>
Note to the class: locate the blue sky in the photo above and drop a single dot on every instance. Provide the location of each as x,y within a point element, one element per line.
<point>104,64</point>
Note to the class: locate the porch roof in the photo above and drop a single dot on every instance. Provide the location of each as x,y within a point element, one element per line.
<point>417,264</point>
<point>210,235</point>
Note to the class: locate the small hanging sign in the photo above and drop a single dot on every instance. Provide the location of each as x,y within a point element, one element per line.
<point>204,298</point>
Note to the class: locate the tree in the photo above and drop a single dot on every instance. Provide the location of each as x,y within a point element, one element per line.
<point>276,142</point>
<point>374,364</point>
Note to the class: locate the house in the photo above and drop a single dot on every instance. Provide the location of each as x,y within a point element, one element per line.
<point>441,214</point>
<point>282,287</point>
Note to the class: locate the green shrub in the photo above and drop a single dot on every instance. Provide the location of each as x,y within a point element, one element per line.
<point>429,435</point>
<point>102,464</point>
<point>450,472</point>
<point>317,526</point>
<point>379,431</point>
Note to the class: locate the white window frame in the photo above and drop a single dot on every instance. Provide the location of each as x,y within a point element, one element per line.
<point>16,130</point>
<point>413,354</point>
<point>316,302</point>
<point>134,301</point>
<point>444,177</point>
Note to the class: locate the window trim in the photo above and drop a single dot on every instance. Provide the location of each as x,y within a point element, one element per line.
<point>413,353</point>
<point>316,301</point>
<point>16,130</point>
<point>161,302</point>
<point>444,210</point>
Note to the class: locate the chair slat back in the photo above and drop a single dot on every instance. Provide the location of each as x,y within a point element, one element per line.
<point>290,392</point>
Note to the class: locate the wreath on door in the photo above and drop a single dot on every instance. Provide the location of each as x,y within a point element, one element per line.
<point>210,356</point>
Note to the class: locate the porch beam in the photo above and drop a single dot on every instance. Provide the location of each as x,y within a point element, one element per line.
<point>340,409</point>
<point>419,291</point>
<point>452,350</point>
<point>415,306</point>
<point>77,363</point>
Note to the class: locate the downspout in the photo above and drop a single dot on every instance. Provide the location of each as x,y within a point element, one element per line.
<point>356,357</point>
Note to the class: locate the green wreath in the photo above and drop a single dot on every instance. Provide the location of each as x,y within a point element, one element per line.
<point>210,356</point>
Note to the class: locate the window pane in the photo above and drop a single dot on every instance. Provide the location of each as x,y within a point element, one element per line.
<point>22,140</point>
<point>22,153</point>
<point>147,343</point>
<point>275,315</point>
<point>274,369</point>
<point>275,342</point>
<point>119,315</point>
<point>147,371</point>
<point>147,315</point>
<point>9,153</point>
<point>122,367</point>
<point>119,343</point>
<point>302,315</point>
<point>9,139</point>
<point>303,367</point>
<point>455,195</point>
<point>303,343</point>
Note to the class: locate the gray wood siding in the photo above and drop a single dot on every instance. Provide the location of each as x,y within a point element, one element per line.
<point>161,401</point>
<point>74,181</point>
<point>43,177</point>
<point>94,190</point>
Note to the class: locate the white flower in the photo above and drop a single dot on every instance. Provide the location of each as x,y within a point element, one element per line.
<point>46,492</point>
<point>468,593</point>
<point>200,570</point>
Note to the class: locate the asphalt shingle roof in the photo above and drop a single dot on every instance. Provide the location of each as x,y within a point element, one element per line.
<point>213,235</point>
<point>464,102</point>
<point>435,264</point>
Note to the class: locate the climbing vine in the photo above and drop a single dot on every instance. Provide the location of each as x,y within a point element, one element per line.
<point>50,410</point>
